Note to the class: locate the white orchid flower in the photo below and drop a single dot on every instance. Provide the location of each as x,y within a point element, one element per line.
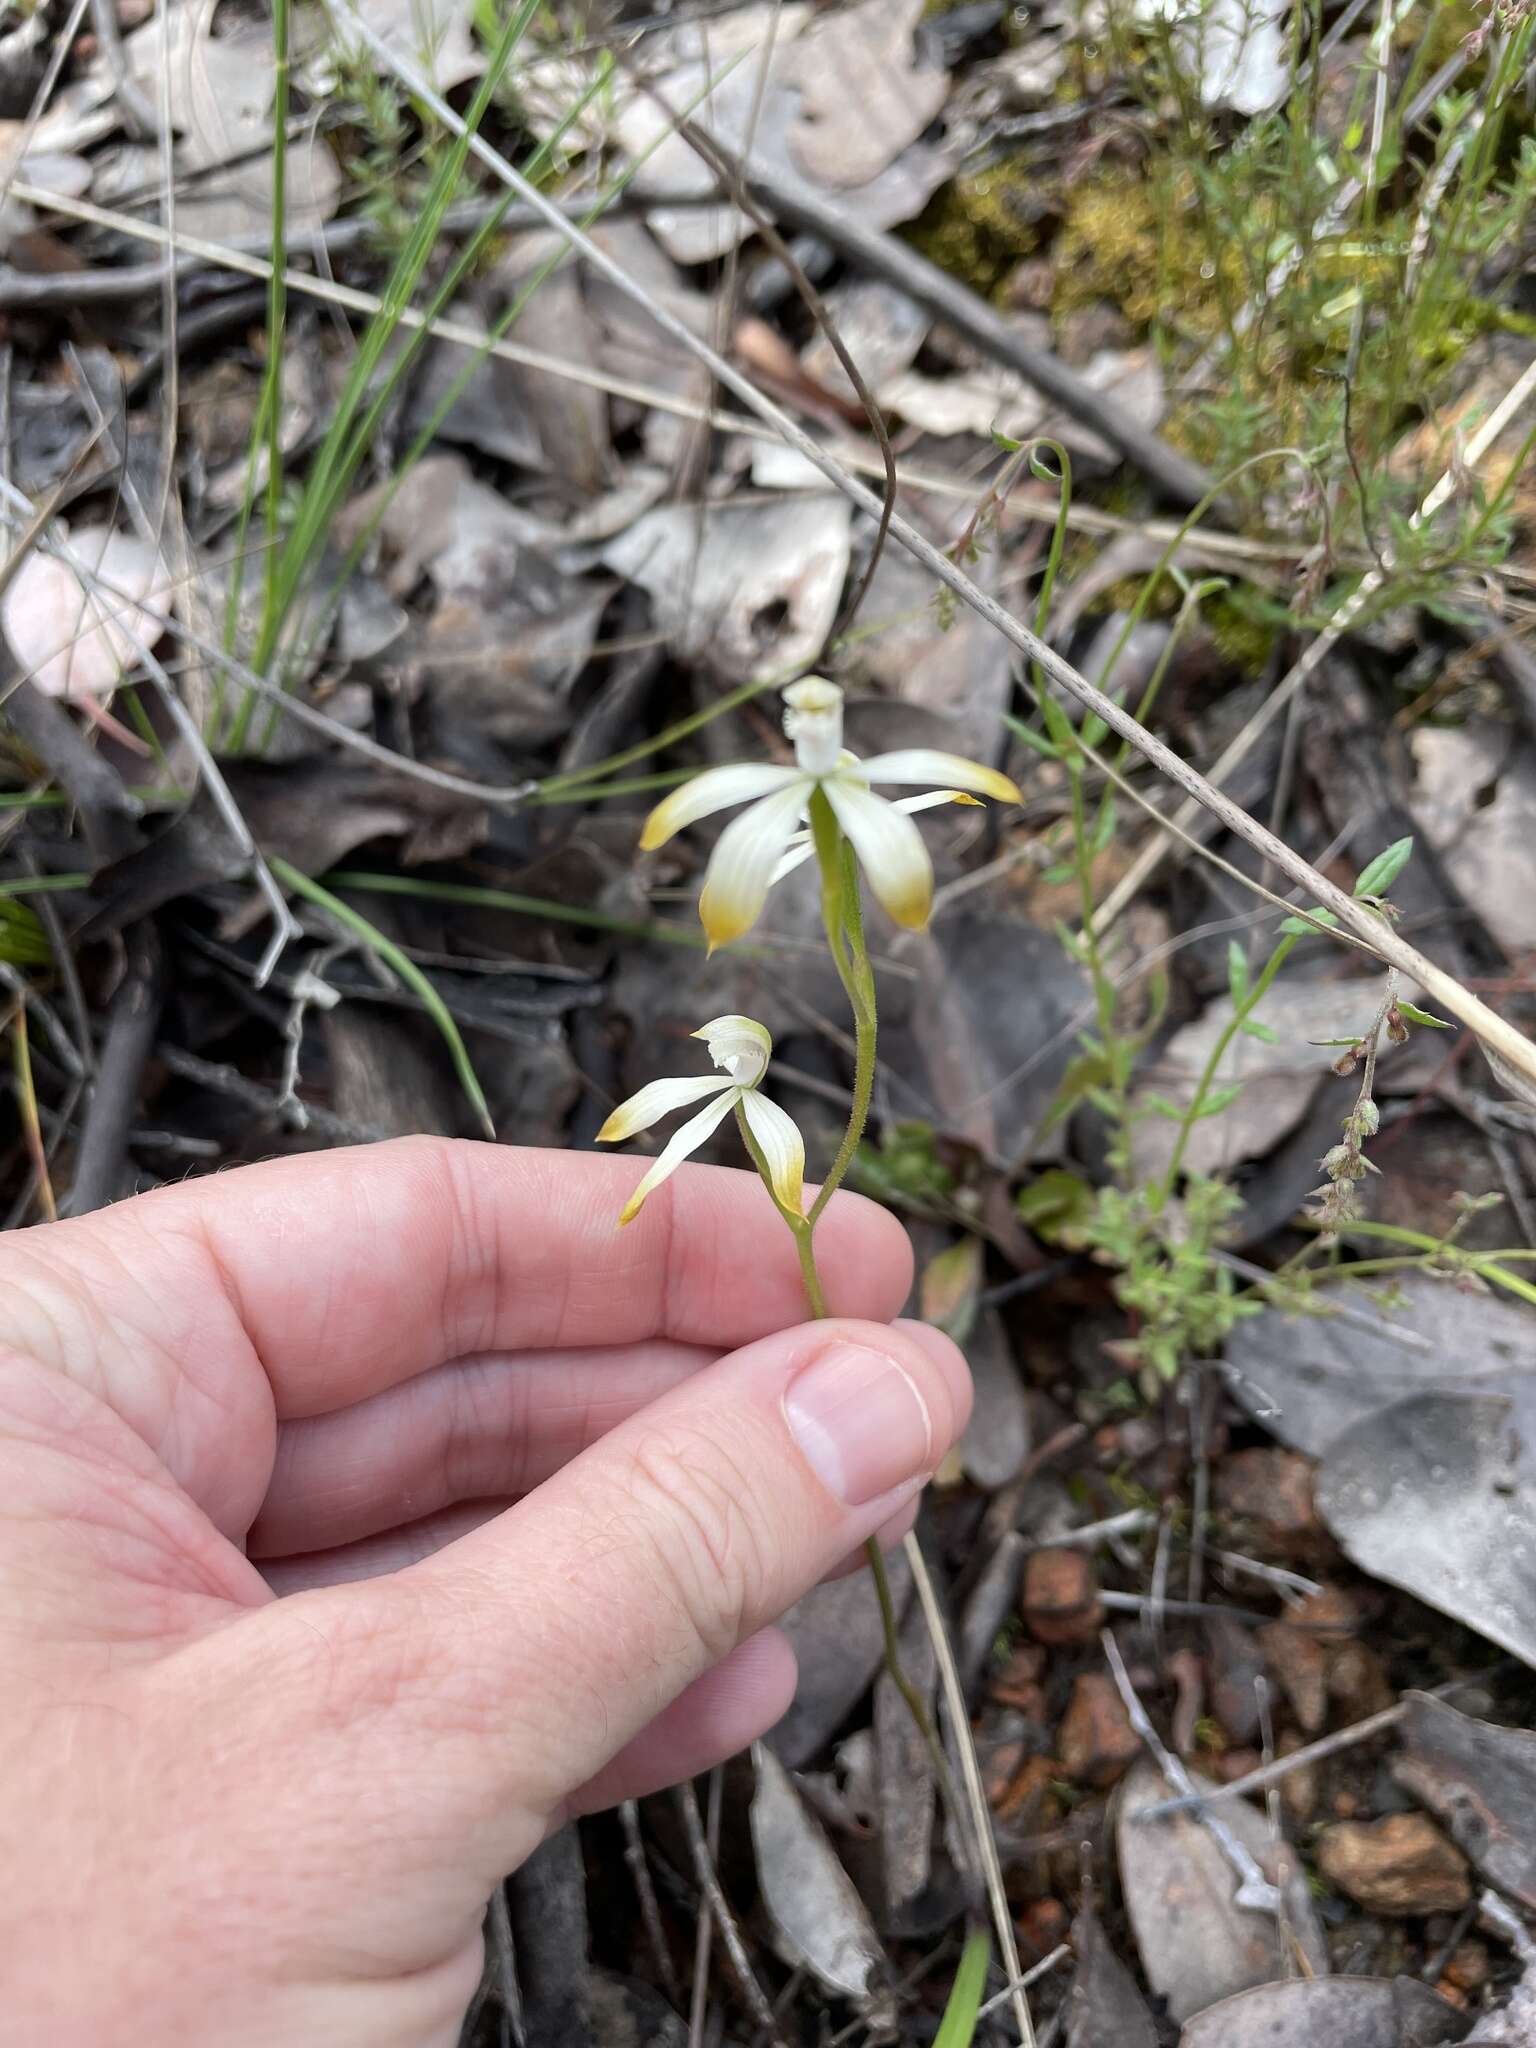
<point>748,855</point>
<point>801,847</point>
<point>742,1048</point>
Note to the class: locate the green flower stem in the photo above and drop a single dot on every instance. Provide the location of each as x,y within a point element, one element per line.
<point>1240,1012</point>
<point>800,1226</point>
<point>844,922</point>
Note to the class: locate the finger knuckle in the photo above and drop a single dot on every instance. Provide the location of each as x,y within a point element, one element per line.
<point>698,1506</point>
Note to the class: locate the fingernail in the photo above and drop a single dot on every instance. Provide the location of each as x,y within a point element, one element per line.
<point>861,1423</point>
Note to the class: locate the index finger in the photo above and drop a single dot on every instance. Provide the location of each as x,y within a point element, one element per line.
<point>352,1270</point>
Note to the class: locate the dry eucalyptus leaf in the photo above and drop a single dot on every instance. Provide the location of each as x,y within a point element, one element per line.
<point>436,34</point>
<point>1104,2008</point>
<point>751,588</point>
<point>879,325</point>
<point>959,671</point>
<point>741,100</point>
<point>1480,1782</point>
<point>997,1437</point>
<point>73,643</point>
<point>1309,1377</point>
<point>861,58</point>
<point>222,93</point>
<point>1437,1494</point>
<point>820,1923</point>
<point>1279,1080</point>
<point>835,1632</point>
<point>1475,797</point>
<point>1329,2012</point>
<point>1196,1944</point>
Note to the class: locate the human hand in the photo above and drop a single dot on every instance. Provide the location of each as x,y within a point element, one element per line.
<point>532,1488</point>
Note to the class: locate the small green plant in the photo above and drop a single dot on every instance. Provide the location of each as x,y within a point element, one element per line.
<point>1160,1234</point>
<point>1317,282</point>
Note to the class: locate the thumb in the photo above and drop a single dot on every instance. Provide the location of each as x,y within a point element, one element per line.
<point>550,1637</point>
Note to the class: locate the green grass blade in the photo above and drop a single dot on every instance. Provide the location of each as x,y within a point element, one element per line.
<point>523,906</point>
<point>958,2025</point>
<point>402,964</point>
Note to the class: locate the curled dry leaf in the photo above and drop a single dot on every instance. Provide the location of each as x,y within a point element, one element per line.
<point>70,643</point>
<point>819,1921</point>
<point>753,588</point>
<point>749,90</point>
<point>862,57</point>
<point>1480,1782</point>
<point>1475,797</point>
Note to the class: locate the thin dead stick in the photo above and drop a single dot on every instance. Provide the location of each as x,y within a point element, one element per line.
<point>114,1098</point>
<point>1254,1890</point>
<point>709,1885</point>
<point>976,1797</point>
<point>1311,658</point>
<point>1271,1774</point>
<point>1032,1976</point>
<point>1495,1032</point>
<point>645,1892</point>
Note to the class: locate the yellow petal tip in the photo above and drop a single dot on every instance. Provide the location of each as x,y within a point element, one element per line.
<point>631,1210</point>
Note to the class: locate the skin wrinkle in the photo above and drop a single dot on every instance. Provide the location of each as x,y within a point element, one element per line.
<point>473,1429</point>
<point>425,1727</point>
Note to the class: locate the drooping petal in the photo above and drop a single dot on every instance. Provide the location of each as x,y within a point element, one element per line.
<point>687,1138</point>
<point>795,855</point>
<point>654,1101</point>
<point>912,804</point>
<point>742,864</point>
<point>715,790</point>
<point>740,1045</point>
<point>890,850</point>
<point>779,1140</point>
<point>927,764</point>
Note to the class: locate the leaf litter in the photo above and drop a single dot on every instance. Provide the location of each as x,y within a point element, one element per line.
<point>576,559</point>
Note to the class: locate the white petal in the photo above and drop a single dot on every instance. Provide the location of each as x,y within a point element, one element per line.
<point>926,764</point>
<point>742,864</point>
<point>779,1140</point>
<point>740,1045</point>
<point>935,797</point>
<point>798,852</point>
<point>654,1101</point>
<point>683,1141</point>
<point>890,850</point>
<point>715,790</point>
